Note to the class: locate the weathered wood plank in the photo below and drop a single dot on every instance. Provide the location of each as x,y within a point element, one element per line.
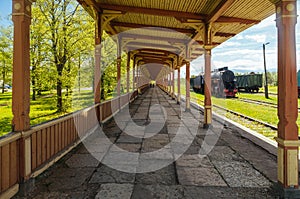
<point>48,151</point>
<point>52,141</point>
<point>56,144</point>
<point>5,167</point>
<point>44,145</point>
<point>39,148</point>
<point>33,151</point>
<point>13,166</point>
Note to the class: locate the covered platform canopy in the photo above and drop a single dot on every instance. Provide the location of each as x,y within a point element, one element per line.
<point>169,33</point>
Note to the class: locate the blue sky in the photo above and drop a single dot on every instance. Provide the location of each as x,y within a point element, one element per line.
<point>241,53</point>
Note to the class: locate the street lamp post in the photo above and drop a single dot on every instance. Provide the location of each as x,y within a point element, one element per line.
<point>266,78</point>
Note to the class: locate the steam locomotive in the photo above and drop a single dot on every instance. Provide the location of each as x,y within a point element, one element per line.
<point>223,83</point>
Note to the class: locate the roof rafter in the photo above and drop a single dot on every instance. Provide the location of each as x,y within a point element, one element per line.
<point>168,48</point>
<point>151,11</point>
<point>219,10</point>
<point>156,38</point>
<point>163,28</point>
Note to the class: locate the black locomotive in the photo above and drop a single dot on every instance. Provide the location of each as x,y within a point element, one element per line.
<point>223,83</point>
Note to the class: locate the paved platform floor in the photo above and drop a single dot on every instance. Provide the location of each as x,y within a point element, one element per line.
<point>160,151</point>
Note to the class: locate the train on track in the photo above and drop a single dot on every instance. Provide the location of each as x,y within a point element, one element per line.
<point>223,83</point>
<point>249,83</point>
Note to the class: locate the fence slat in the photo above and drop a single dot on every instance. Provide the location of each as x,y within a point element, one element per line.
<point>33,151</point>
<point>38,148</point>
<point>59,137</point>
<point>52,140</point>
<point>13,178</point>
<point>48,134</point>
<point>56,146</point>
<point>44,145</point>
<point>5,167</point>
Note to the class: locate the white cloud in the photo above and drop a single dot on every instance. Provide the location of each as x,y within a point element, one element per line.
<point>258,38</point>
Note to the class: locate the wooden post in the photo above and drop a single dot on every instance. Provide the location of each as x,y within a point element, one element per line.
<point>21,65</point>
<point>288,143</point>
<point>173,81</point>
<point>178,86</point>
<point>133,74</point>
<point>207,77</point>
<point>119,60</point>
<point>187,77</point>
<point>207,89</point>
<point>97,69</point>
<point>128,67</point>
<point>21,80</point>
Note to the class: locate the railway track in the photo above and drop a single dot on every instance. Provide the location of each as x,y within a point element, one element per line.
<point>258,102</point>
<point>253,123</point>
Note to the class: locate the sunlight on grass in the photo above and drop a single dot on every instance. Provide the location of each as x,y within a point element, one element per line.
<point>43,109</point>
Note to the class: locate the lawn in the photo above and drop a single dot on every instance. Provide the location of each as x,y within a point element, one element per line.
<point>43,109</point>
<point>259,112</point>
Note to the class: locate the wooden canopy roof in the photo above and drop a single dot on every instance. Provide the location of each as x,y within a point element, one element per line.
<point>158,30</point>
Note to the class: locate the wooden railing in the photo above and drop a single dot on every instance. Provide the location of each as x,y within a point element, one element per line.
<point>25,155</point>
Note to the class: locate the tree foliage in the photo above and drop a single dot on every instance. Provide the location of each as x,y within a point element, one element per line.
<point>66,34</point>
<point>6,46</point>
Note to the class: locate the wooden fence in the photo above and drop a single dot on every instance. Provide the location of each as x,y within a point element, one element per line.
<point>24,155</point>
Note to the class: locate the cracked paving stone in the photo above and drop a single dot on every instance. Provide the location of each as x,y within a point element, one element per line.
<point>199,176</point>
<point>105,174</point>
<point>82,160</point>
<point>165,176</point>
<point>241,174</point>
<point>157,192</point>
<point>193,161</point>
<point>115,191</point>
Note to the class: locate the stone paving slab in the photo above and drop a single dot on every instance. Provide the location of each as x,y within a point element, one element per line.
<point>213,192</point>
<point>164,176</point>
<point>105,174</point>
<point>141,191</point>
<point>200,176</point>
<point>230,166</point>
<point>115,191</point>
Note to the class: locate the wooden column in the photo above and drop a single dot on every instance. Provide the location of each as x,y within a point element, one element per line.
<point>169,81</point>
<point>21,16</point>
<point>288,143</point>
<point>173,81</point>
<point>207,89</point>
<point>178,86</point>
<point>21,65</point>
<point>187,77</point>
<point>133,74</point>
<point>207,77</point>
<point>119,60</point>
<point>127,70</point>
<point>97,69</point>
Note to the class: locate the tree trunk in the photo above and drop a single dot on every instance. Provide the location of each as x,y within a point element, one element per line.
<point>3,84</point>
<point>59,91</point>
<point>33,83</point>
<point>3,77</point>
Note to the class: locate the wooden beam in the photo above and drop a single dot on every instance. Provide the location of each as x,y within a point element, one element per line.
<point>219,10</point>
<point>151,11</point>
<point>224,19</point>
<point>224,34</point>
<point>162,28</point>
<point>155,38</point>
<point>168,48</point>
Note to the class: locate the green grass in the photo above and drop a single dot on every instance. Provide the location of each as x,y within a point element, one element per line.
<point>259,112</point>
<point>43,109</point>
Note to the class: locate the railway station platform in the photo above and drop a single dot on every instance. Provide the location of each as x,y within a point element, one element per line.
<point>160,151</point>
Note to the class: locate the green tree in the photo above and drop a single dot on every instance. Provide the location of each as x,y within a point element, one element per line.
<point>6,47</point>
<point>68,32</point>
